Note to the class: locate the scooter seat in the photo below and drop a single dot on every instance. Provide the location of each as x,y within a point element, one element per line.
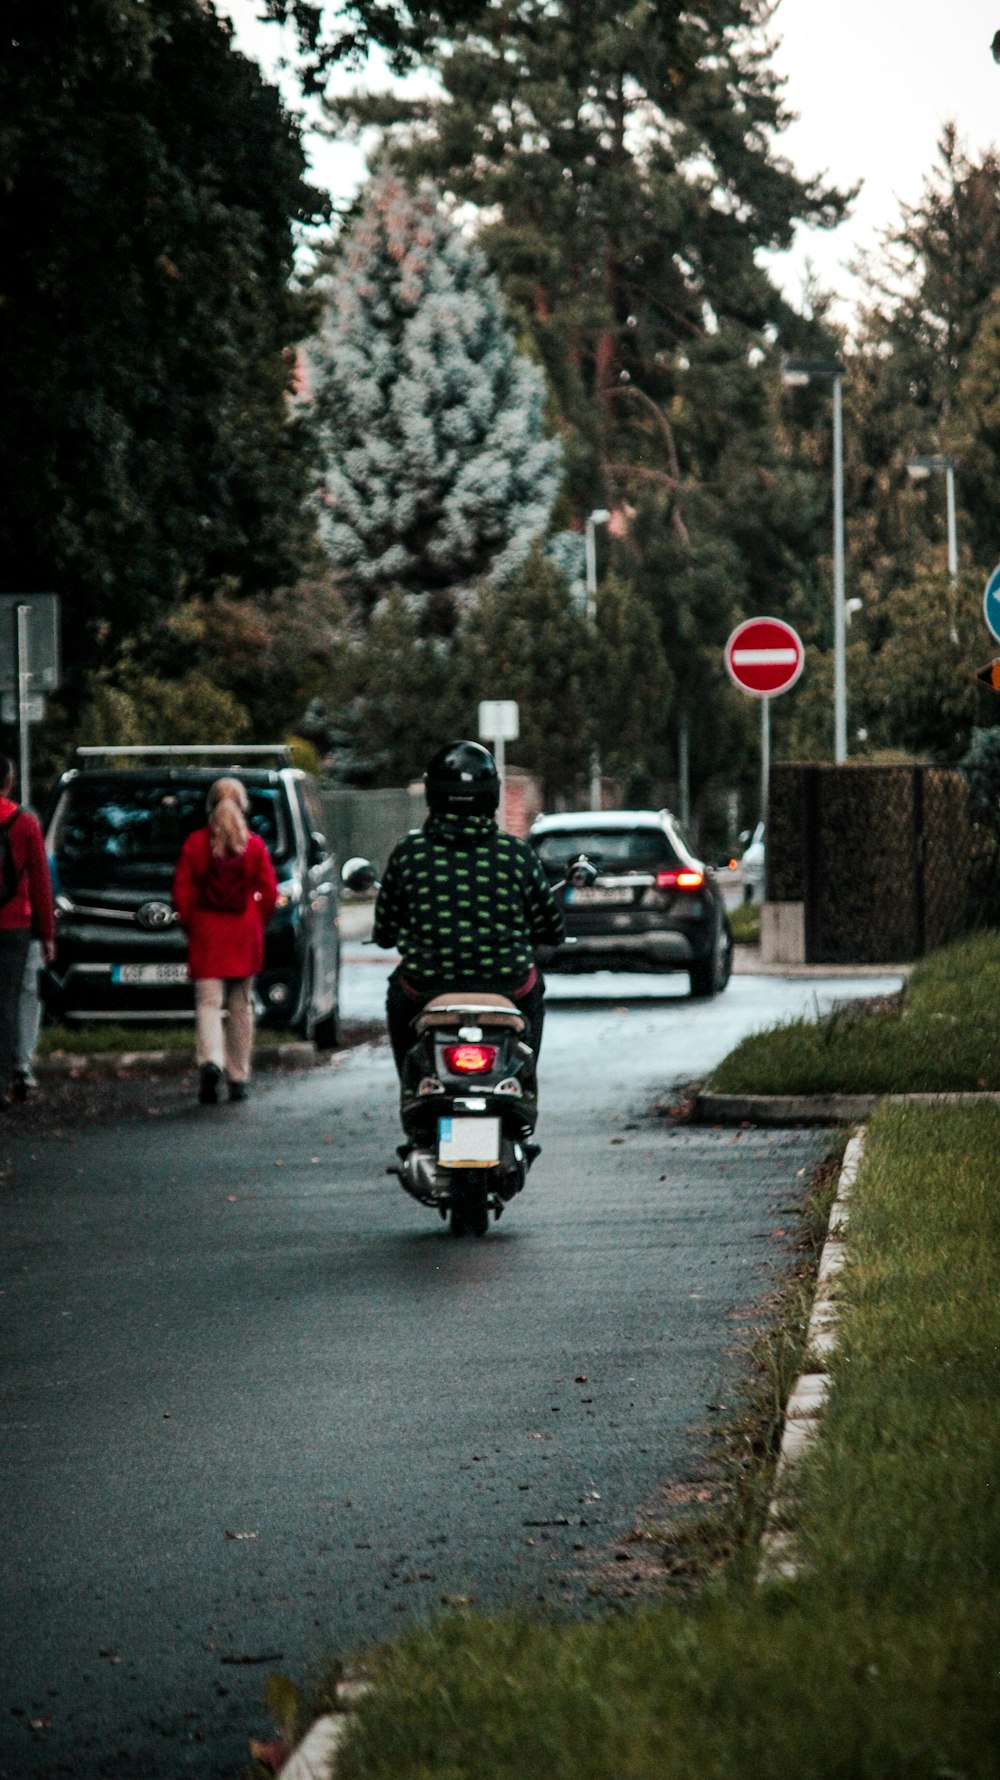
<point>470,1008</point>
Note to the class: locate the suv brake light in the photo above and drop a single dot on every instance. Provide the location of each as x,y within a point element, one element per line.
<point>470,1059</point>
<point>680,878</point>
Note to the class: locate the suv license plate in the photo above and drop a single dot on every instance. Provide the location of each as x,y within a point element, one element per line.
<point>468,1143</point>
<point>149,973</point>
<point>598,898</point>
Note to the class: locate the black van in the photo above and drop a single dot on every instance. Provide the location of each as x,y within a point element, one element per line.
<point>114,835</point>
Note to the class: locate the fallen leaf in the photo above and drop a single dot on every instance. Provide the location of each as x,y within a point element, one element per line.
<point>39,1724</point>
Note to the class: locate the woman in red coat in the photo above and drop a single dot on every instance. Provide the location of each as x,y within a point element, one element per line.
<point>224,893</point>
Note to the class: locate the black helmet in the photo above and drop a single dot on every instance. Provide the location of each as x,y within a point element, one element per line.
<point>463,779</point>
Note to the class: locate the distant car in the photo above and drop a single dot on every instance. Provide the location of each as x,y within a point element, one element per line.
<point>114,835</point>
<point>752,866</point>
<point>652,906</point>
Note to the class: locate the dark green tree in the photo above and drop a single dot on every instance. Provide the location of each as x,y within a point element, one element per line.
<point>627,161</point>
<point>149,184</point>
<point>625,169</point>
<point>528,641</point>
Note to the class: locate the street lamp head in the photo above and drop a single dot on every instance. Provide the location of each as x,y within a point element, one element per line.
<point>797,372</point>
<point>599,516</point>
<point>919,468</point>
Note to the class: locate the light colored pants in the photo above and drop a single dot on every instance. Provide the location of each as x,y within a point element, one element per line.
<point>29,1012</point>
<point>226,1043</point>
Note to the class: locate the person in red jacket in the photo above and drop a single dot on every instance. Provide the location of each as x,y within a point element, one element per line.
<point>224,893</point>
<point>26,912</point>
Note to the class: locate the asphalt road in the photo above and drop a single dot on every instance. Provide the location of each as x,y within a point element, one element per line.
<point>257,1405</point>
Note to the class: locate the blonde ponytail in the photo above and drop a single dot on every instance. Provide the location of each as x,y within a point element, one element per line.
<point>227,807</point>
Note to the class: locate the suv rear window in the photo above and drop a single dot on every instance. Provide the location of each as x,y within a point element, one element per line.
<point>626,849</point>
<point>149,821</point>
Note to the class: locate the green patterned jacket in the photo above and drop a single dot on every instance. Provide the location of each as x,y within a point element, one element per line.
<point>466,905</point>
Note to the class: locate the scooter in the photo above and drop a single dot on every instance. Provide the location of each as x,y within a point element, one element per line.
<point>468,1095</point>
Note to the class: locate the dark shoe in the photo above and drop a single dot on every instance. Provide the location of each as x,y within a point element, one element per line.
<point>208,1087</point>
<point>23,1084</point>
<point>237,1090</point>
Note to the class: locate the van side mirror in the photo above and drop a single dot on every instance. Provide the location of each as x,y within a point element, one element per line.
<point>359,875</point>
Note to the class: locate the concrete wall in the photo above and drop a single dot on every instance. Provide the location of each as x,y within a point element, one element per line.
<point>370,823</point>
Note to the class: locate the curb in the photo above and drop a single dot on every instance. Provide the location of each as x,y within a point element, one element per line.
<point>94,1063</point>
<point>314,1758</point>
<point>819,1109</point>
<point>781,1558</point>
<point>747,962</point>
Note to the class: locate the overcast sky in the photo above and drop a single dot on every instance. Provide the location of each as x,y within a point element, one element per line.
<point>873,82</point>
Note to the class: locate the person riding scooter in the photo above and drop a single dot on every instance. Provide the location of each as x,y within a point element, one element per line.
<point>465,904</point>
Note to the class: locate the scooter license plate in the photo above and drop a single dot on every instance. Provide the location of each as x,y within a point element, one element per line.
<point>468,1143</point>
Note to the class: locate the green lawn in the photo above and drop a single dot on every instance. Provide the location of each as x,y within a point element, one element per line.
<point>944,1036</point>
<point>882,1660</point>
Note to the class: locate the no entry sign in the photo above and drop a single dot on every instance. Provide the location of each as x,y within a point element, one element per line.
<point>764,656</point>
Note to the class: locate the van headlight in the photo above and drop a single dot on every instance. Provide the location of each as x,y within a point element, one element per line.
<point>289,892</point>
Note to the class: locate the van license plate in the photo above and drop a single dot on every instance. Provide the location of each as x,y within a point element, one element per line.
<point>468,1143</point>
<point>149,973</point>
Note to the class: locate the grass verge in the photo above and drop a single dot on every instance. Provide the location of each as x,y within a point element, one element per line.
<point>881,1661</point>
<point>99,1040</point>
<point>942,1035</point>
<point>744,920</point>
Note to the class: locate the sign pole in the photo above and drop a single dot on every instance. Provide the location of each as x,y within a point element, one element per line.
<point>23,684</point>
<point>500,750</point>
<point>765,754</point>
<point>499,723</point>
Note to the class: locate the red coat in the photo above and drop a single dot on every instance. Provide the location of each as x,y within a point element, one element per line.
<point>222,945</point>
<point>31,904</point>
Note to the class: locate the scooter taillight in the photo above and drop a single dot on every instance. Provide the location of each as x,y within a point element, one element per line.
<point>470,1059</point>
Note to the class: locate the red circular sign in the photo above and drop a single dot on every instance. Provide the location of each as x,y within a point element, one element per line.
<point>764,656</point>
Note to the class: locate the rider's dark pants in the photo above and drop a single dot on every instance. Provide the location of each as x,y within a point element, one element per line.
<point>402,1009</point>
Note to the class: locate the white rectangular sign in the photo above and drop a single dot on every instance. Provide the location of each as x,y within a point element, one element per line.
<point>498,720</point>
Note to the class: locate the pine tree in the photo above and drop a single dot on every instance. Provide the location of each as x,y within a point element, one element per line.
<point>436,471</point>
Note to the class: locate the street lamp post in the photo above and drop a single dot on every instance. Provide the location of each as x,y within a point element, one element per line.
<point>599,516</point>
<point>797,372</point>
<point>919,469</point>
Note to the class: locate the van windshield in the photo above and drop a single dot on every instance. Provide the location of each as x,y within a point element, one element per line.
<point>148,822</point>
<point>624,849</point>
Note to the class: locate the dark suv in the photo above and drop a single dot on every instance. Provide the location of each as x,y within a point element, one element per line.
<point>652,906</point>
<point>114,835</point>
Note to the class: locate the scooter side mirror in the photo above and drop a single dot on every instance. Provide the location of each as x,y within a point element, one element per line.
<point>581,873</point>
<point>359,875</point>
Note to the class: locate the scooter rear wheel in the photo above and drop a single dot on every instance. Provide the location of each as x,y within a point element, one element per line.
<point>470,1208</point>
